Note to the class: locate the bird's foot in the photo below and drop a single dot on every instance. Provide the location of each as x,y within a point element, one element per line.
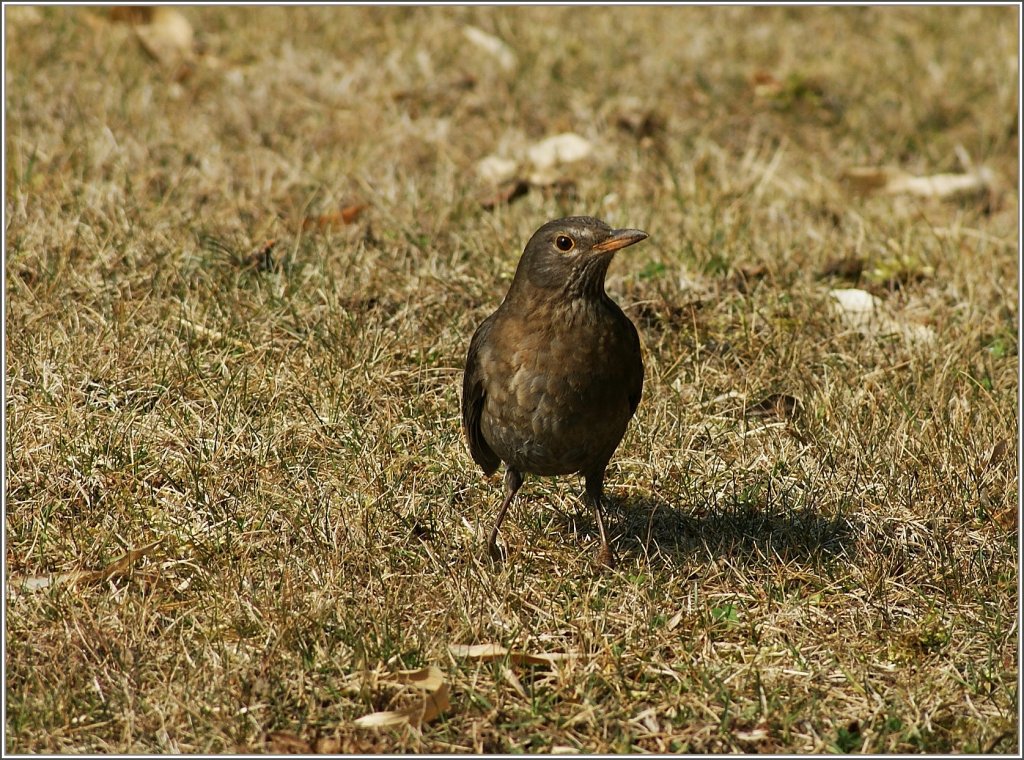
<point>493,553</point>
<point>605,558</point>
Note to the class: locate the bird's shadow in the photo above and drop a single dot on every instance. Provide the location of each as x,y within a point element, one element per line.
<point>731,527</point>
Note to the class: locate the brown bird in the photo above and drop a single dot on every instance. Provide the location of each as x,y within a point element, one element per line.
<point>555,374</point>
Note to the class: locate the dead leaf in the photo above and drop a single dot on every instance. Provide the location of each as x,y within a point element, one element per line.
<point>429,678</point>
<point>287,743</point>
<point>863,312</point>
<point>493,46</point>
<point>510,192</point>
<point>483,652</point>
<point>429,681</point>
<point>167,36</point>
<point>642,123</point>
<point>494,169</point>
<point>425,710</point>
<point>867,179</point>
<point>491,652</point>
<point>674,621</point>
<point>32,583</point>
<point>545,658</point>
<point>856,307</point>
<point>943,185</point>
<point>123,564</point>
<point>846,267</point>
<point>565,148</point>
<point>513,680</point>
<point>119,567</point>
<point>340,218</point>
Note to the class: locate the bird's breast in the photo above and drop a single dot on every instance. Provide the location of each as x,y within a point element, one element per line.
<point>559,382</point>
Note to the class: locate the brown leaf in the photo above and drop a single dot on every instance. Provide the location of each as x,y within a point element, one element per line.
<point>124,563</point>
<point>513,680</point>
<point>846,267</point>
<point>429,678</point>
<point>642,121</point>
<point>641,124</point>
<point>867,179</point>
<point>482,652</point>
<point>339,218</point>
<point>121,566</point>
<point>491,652</point>
<point>509,192</point>
<point>545,658</point>
<point>424,710</point>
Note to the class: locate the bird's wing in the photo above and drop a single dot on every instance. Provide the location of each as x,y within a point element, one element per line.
<point>474,393</point>
<point>636,376</point>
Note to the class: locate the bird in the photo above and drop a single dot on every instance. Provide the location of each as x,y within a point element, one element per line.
<point>555,374</point>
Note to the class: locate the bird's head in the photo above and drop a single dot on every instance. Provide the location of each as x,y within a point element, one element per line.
<point>571,256</point>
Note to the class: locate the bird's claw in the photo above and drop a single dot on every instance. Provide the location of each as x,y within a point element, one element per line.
<point>493,553</point>
<point>605,558</point>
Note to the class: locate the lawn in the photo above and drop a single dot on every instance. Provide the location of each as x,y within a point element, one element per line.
<point>245,251</point>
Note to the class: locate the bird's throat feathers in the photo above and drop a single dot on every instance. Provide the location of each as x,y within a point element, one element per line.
<point>582,277</point>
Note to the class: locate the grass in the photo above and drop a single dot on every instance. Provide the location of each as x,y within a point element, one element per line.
<point>817,526</point>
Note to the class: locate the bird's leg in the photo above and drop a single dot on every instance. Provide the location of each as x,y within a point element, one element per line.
<point>595,492</point>
<point>513,480</point>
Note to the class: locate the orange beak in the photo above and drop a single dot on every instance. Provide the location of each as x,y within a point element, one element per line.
<point>620,239</point>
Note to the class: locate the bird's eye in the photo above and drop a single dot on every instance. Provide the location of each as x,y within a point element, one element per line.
<point>564,243</point>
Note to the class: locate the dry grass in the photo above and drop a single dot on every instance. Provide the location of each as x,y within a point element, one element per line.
<point>835,571</point>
